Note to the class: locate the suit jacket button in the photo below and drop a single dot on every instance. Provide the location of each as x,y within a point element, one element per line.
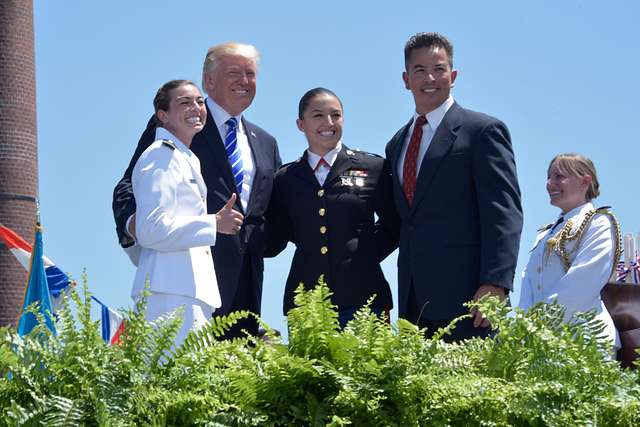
<point>321,211</point>
<point>323,229</point>
<point>324,250</point>
<point>320,192</point>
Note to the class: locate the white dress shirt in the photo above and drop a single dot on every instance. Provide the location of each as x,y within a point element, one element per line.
<point>322,171</point>
<point>577,289</point>
<point>220,116</point>
<point>428,130</point>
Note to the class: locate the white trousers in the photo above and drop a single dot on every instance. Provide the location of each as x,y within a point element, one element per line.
<point>196,313</point>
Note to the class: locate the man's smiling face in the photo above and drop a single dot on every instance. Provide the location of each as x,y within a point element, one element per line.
<point>232,83</point>
<point>429,77</point>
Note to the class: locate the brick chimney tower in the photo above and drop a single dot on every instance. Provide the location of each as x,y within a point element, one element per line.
<point>18,145</point>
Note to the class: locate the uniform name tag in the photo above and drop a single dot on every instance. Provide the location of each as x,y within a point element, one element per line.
<point>347,181</point>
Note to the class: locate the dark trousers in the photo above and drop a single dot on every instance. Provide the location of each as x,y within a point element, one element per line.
<point>346,314</point>
<point>464,329</point>
<point>244,299</point>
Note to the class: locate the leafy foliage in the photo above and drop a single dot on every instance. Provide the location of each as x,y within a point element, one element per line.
<point>535,371</point>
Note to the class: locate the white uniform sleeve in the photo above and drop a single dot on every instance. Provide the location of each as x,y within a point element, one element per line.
<point>155,181</point>
<point>133,252</point>
<point>590,270</point>
<point>526,296</point>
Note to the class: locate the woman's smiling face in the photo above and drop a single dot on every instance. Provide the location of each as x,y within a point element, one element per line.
<point>322,123</point>
<point>566,191</point>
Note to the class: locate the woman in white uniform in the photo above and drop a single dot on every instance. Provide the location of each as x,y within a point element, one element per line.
<point>172,226</point>
<point>573,258</point>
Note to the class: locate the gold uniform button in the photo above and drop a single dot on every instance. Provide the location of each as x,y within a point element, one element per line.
<point>324,250</point>
<point>321,211</point>
<point>323,229</point>
<point>321,192</point>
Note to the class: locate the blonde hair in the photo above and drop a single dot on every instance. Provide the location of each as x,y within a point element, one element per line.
<point>579,166</point>
<point>214,53</point>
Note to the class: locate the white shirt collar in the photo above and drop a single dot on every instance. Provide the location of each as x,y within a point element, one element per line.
<point>330,157</point>
<point>220,116</point>
<point>578,210</point>
<point>434,118</point>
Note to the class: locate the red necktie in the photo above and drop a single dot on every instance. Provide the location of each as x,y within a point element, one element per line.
<point>321,162</point>
<point>409,169</point>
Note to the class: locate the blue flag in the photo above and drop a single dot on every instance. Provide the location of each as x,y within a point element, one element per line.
<point>37,291</point>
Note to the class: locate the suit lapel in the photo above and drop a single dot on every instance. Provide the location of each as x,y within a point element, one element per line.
<point>395,149</point>
<point>302,170</point>
<point>441,144</point>
<point>258,161</point>
<point>210,143</point>
<point>197,175</point>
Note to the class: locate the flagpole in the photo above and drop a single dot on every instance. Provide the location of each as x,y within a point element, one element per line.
<point>26,285</point>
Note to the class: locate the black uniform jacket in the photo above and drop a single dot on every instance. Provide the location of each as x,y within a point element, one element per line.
<point>229,250</point>
<point>334,228</point>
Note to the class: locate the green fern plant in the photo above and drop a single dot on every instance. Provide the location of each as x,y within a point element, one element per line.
<point>536,370</point>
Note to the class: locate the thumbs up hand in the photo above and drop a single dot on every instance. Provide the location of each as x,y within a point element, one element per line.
<point>228,220</point>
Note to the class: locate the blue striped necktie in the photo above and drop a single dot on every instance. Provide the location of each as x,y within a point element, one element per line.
<point>233,152</point>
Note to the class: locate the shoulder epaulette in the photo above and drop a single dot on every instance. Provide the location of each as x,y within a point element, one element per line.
<point>290,163</point>
<point>366,153</point>
<point>545,227</point>
<point>603,209</point>
<point>169,144</point>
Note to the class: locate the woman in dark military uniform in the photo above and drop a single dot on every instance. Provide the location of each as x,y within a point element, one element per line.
<point>324,203</point>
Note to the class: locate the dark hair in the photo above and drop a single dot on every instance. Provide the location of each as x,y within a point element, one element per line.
<point>163,96</point>
<point>579,166</point>
<point>307,97</point>
<point>428,40</point>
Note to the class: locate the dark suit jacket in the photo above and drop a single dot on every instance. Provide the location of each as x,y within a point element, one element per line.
<point>463,229</point>
<point>229,251</point>
<point>333,227</point>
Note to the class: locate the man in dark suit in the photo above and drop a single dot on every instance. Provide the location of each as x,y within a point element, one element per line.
<point>236,156</point>
<point>457,194</point>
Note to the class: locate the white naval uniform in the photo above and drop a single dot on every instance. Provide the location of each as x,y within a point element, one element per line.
<point>578,289</point>
<point>175,233</point>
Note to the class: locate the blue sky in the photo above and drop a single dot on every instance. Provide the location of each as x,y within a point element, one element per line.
<point>562,76</point>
